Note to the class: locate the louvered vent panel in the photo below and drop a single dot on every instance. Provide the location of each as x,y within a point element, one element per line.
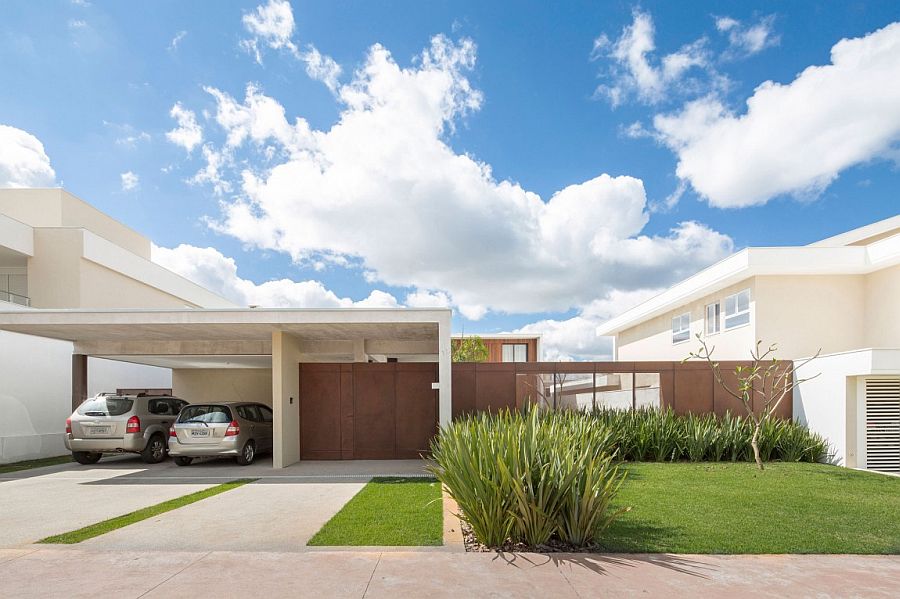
<point>883,425</point>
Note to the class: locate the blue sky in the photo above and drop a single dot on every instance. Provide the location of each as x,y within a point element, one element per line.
<point>424,169</point>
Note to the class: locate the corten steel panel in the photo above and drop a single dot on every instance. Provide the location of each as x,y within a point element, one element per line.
<point>374,431</point>
<point>463,377</point>
<point>416,409</point>
<point>529,388</point>
<point>724,402</point>
<point>666,389</point>
<point>346,412</point>
<point>613,367</point>
<point>693,391</point>
<point>320,412</point>
<point>495,389</point>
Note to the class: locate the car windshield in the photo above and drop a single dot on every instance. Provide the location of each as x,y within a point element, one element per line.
<point>208,414</point>
<point>106,406</point>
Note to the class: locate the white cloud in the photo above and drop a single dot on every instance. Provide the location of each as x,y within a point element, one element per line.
<point>271,25</point>
<point>428,299</point>
<point>794,138</point>
<point>211,269</point>
<point>130,181</point>
<point>188,134</point>
<point>746,40</point>
<point>383,192</point>
<point>634,71</point>
<point>23,162</point>
<point>77,23</point>
<point>576,338</point>
<point>173,45</point>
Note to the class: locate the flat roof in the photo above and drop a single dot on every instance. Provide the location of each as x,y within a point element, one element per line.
<point>243,324</point>
<point>753,262</point>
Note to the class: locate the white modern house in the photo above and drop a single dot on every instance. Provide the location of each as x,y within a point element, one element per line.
<point>83,310</point>
<point>840,295</point>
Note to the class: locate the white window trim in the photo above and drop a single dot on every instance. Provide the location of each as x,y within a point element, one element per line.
<point>688,329</point>
<point>725,316</point>
<point>706,319</point>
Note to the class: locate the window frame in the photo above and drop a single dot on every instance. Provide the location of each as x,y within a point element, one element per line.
<point>717,318</point>
<point>514,347</point>
<point>687,330</point>
<point>738,313</point>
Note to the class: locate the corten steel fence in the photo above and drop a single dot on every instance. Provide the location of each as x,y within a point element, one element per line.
<point>684,387</point>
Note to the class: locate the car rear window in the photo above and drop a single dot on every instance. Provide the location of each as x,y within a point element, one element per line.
<point>106,406</point>
<point>207,414</point>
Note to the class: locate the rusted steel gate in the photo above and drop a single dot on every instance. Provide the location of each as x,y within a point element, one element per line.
<point>684,387</point>
<point>367,411</point>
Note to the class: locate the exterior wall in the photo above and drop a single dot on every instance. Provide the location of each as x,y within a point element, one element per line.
<point>652,340</point>
<point>104,288</point>
<point>207,385</point>
<point>36,392</point>
<point>495,345</point>
<point>53,272</point>
<point>59,208</point>
<point>805,313</point>
<point>285,395</point>
<point>882,316</point>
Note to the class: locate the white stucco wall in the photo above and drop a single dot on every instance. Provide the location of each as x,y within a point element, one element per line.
<point>882,308</point>
<point>206,385</point>
<point>652,340</point>
<point>36,392</point>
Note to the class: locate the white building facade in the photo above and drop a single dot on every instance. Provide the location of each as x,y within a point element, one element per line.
<point>839,296</point>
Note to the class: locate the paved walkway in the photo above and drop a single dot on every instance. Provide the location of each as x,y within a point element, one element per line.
<point>278,512</point>
<point>69,572</point>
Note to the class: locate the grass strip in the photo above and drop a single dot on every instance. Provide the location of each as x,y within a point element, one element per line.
<point>95,530</point>
<point>388,511</point>
<point>734,508</point>
<point>39,463</point>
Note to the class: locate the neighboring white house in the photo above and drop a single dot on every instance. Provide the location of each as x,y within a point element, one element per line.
<point>57,252</point>
<point>840,295</point>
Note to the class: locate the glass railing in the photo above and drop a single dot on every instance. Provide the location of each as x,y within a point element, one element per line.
<point>14,298</point>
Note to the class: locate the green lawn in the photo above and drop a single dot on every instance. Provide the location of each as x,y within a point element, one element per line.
<point>734,508</point>
<point>28,464</point>
<point>388,511</point>
<point>95,530</point>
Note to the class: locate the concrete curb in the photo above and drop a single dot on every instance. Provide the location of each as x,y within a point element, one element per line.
<point>453,537</point>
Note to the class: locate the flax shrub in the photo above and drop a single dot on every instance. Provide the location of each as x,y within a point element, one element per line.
<point>530,477</point>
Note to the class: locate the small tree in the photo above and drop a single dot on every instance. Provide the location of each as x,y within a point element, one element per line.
<point>766,378</point>
<point>469,349</point>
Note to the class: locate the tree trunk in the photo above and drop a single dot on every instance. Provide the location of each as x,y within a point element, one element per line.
<point>754,442</point>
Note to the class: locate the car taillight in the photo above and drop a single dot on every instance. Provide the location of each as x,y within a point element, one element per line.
<point>68,425</point>
<point>134,425</point>
<point>233,429</point>
<point>172,432</point>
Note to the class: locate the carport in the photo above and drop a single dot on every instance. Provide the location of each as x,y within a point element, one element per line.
<point>372,383</point>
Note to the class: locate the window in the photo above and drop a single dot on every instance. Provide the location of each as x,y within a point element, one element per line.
<point>712,318</point>
<point>266,413</point>
<point>737,309</point>
<point>250,413</point>
<point>207,414</point>
<point>681,328</point>
<point>106,406</point>
<point>515,352</point>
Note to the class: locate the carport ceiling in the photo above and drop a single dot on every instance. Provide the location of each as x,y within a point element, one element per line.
<point>217,362</point>
<point>222,325</point>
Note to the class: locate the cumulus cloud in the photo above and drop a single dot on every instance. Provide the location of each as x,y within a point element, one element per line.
<point>576,338</point>
<point>635,71</point>
<point>747,40</point>
<point>23,162</point>
<point>793,138</point>
<point>272,25</point>
<point>188,134</point>
<point>130,181</point>
<point>382,191</point>
<point>211,269</point>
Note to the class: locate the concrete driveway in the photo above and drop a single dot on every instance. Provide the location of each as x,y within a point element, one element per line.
<point>279,512</point>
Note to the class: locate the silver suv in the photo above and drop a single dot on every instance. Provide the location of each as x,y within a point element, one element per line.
<point>237,429</point>
<point>109,423</point>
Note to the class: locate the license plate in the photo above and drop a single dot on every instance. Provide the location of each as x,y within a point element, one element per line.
<point>99,430</point>
<point>199,432</point>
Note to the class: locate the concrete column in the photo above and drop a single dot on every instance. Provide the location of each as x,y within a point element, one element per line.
<point>445,393</point>
<point>79,379</point>
<point>359,351</point>
<point>285,399</point>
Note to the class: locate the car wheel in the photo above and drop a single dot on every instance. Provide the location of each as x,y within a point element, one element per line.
<point>155,452</point>
<point>248,453</point>
<point>86,457</point>
<point>183,461</point>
